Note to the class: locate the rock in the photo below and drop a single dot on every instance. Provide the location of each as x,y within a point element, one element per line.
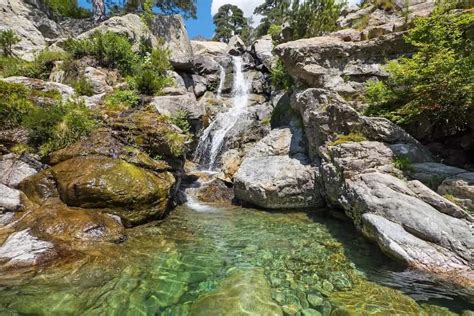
<point>263,49</point>
<point>432,173</point>
<point>244,292</point>
<point>348,35</point>
<point>277,182</point>
<point>13,170</point>
<point>397,242</point>
<point>440,203</point>
<point>461,187</point>
<point>208,47</point>
<point>132,193</point>
<point>55,221</point>
<point>31,25</point>
<point>236,46</point>
<point>22,249</point>
<point>15,136</point>
<point>129,25</point>
<point>10,199</point>
<point>231,161</point>
<point>98,79</point>
<point>280,142</point>
<point>45,86</point>
<point>414,153</point>
<point>200,85</point>
<point>205,65</point>
<point>315,300</point>
<point>311,312</point>
<point>173,31</point>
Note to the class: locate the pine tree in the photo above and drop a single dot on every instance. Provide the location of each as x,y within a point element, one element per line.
<point>229,21</point>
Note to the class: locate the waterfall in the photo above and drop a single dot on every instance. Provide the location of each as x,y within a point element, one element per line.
<point>221,81</point>
<point>212,140</point>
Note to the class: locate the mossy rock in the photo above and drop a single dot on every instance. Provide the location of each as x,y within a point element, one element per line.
<point>55,221</point>
<point>242,293</point>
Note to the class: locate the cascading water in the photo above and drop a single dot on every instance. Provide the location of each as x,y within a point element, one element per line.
<point>212,140</point>
<point>221,81</point>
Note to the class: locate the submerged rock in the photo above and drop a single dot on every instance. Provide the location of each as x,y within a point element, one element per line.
<point>245,292</point>
<point>13,170</point>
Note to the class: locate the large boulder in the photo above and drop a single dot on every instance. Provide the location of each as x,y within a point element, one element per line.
<point>246,292</point>
<point>276,173</point>
<point>208,47</point>
<point>35,30</point>
<point>263,50</point>
<point>129,25</point>
<point>173,31</point>
<point>65,91</point>
<point>460,188</point>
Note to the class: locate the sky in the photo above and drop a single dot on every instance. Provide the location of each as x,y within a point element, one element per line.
<point>203,26</point>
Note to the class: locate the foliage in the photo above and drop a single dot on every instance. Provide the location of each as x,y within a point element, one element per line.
<point>40,67</point>
<point>274,13</point>
<point>83,86</point>
<point>451,198</point>
<point>351,137</point>
<point>150,75</point>
<point>110,49</point>
<point>121,100</point>
<point>67,8</point>
<point>361,23</point>
<point>59,125</point>
<point>280,78</point>
<point>403,163</point>
<point>186,8</point>
<point>274,30</point>
<point>176,142</point>
<point>8,38</point>
<point>14,104</point>
<point>436,84</point>
<point>311,18</point>
<point>147,15</point>
<point>11,66</point>
<point>386,5</point>
<point>181,120</point>
<point>229,21</point>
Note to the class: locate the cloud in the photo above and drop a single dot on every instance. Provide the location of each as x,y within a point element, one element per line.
<point>246,5</point>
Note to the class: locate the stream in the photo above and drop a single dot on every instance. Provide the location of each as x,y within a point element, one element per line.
<point>311,262</point>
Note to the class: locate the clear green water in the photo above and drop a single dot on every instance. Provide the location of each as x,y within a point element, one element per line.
<point>311,264</point>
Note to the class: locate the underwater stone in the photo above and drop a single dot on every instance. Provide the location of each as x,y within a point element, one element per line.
<point>311,312</point>
<point>315,300</point>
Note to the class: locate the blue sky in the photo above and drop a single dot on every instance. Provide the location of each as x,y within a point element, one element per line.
<point>203,25</point>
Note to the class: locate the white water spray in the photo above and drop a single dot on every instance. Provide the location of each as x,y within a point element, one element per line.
<point>212,140</point>
<point>221,81</point>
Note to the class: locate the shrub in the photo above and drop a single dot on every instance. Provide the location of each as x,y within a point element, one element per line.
<point>351,137</point>
<point>280,78</point>
<point>68,8</point>
<point>403,163</point>
<point>435,85</point>
<point>274,31</point>
<point>176,142</point>
<point>121,100</point>
<point>57,126</point>
<point>8,38</point>
<point>40,67</point>
<point>14,104</point>
<point>361,23</point>
<point>150,76</point>
<point>110,49</point>
<point>181,120</point>
<point>83,86</point>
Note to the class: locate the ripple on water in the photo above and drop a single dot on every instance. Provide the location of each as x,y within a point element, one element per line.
<point>181,266</point>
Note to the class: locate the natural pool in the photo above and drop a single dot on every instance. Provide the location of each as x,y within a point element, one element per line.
<point>204,260</point>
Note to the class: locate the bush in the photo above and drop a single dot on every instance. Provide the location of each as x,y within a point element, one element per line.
<point>110,49</point>
<point>67,8</point>
<point>14,104</point>
<point>280,78</point>
<point>122,100</point>
<point>351,137</point>
<point>8,38</point>
<point>181,120</point>
<point>150,76</point>
<point>40,67</point>
<point>436,84</point>
<point>57,126</point>
<point>176,142</point>
<point>403,163</point>
<point>274,31</point>
<point>83,87</point>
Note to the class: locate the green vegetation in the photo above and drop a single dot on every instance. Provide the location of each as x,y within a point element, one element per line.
<point>8,38</point>
<point>40,67</point>
<point>122,100</point>
<point>110,49</point>
<point>229,20</point>
<point>387,5</point>
<point>451,198</point>
<point>59,125</point>
<point>361,23</point>
<point>83,86</point>
<point>181,119</point>
<point>435,86</point>
<point>275,13</point>
<point>280,78</point>
<point>67,8</point>
<point>351,137</point>
<point>403,163</point>
<point>274,31</point>
<point>50,127</point>
<point>176,142</point>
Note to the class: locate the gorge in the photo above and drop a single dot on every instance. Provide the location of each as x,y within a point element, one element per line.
<point>223,194</point>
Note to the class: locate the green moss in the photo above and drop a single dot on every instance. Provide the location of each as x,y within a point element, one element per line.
<point>20,149</point>
<point>403,163</point>
<point>83,86</point>
<point>351,137</point>
<point>176,142</point>
<point>450,197</point>
<point>121,100</point>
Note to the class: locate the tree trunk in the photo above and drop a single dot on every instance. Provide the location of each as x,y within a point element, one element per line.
<point>98,9</point>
